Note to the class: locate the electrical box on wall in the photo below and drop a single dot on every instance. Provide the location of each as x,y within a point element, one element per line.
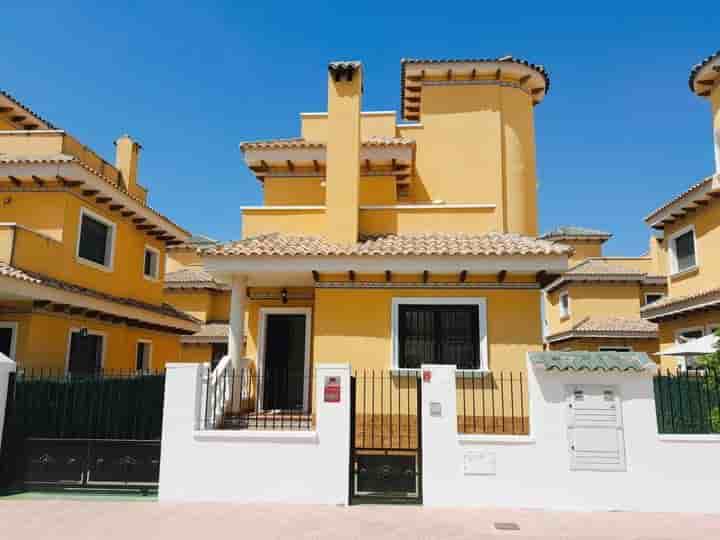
<point>595,428</point>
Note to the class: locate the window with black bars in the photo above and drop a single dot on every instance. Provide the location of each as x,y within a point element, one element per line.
<point>447,334</point>
<point>95,238</point>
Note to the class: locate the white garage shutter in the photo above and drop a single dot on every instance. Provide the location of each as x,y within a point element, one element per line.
<point>595,429</point>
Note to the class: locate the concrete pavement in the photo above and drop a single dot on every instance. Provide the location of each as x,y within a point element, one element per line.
<point>78,519</point>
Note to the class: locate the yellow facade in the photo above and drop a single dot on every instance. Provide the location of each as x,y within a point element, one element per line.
<point>47,289</point>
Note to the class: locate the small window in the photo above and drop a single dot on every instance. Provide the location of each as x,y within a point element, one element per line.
<point>151,263</point>
<point>8,336</point>
<point>652,297</point>
<point>683,251</point>
<point>683,336</point>
<point>615,349</point>
<point>142,357</point>
<point>564,305</point>
<point>95,242</point>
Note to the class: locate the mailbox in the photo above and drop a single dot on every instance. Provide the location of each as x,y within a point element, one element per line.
<point>332,390</point>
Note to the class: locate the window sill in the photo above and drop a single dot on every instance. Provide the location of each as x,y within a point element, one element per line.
<point>685,273</point>
<point>262,436</point>
<point>93,264</point>
<point>496,439</point>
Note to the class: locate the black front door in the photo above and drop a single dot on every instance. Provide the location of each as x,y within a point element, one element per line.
<point>6,339</point>
<point>284,366</point>
<point>85,353</point>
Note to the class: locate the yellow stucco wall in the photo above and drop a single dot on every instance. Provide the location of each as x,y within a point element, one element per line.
<point>314,127</point>
<point>43,341</point>
<point>428,220</point>
<point>195,352</point>
<point>178,259</point>
<point>197,303</point>
<point>362,336</point>
<point>583,250</point>
<point>299,222</point>
<point>57,214</point>
<point>707,249</point>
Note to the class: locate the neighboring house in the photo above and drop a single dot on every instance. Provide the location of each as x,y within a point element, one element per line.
<point>190,288</point>
<point>389,245</point>
<point>595,305</point>
<point>82,254</point>
<point>690,224</point>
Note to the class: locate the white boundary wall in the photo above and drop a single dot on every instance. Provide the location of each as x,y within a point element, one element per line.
<point>308,467</point>
<point>663,473</point>
<point>7,366</point>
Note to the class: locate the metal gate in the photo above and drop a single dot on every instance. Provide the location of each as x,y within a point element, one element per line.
<point>385,438</point>
<point>91,431</point>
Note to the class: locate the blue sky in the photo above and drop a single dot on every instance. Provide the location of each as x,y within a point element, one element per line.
<point>618,134</point>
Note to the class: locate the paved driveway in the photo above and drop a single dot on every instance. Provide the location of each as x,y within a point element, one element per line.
<point>60,519</point>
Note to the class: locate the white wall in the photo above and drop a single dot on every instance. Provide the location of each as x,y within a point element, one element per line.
<point>662,474</point>
<point>7,366</point>
<point>309,467</point>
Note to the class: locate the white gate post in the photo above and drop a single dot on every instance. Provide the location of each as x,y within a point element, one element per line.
<point>7,367</point>
<point>439,433</point>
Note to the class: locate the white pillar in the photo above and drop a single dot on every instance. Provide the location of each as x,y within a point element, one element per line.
<point>236,333</point>
<point>7,366</point>
<point>439,435</point>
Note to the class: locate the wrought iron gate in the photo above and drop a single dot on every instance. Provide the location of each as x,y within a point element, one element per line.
<point>94,431</point>
<point>385,438</point>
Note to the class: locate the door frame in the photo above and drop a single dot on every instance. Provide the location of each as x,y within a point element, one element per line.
<point>13,326</point>
<point>262,331</point>
<point>103,335</point>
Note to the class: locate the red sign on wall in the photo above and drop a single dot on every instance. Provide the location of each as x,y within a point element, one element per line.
<point>332,390</point>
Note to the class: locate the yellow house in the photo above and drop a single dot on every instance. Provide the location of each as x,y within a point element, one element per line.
<point>190,288</point>
<point>389,245</point>
<point>595,305</point>
<point>690,225</point>
<point>82,254</point>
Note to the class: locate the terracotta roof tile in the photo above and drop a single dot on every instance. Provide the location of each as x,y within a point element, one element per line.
<point>192,278</point>
<point>689,191</point>
<point>572,232</point>
<point>209,333</point>
<point>599,327</point>
<point>598,269</point>
<point>453,244</point>
<point>674,304</point>
<point>38,279</point>
<point>27,109</point>
<point>303,143</point>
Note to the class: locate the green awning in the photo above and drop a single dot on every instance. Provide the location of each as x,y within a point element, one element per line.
<point>591,360</point>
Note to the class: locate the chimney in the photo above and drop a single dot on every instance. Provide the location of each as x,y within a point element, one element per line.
<point>127,154</point>
<point>342,190</point>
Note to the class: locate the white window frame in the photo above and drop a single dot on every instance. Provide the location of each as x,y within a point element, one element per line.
<point>673,262</point>
<point>113,234</point>
<point>149,343</point>
<point>156,251</point>
<point>645,298</point>
<point>610,348</point>
<point>564,312</point>
<point>262,330</point>
<point>13,340</point>
<point>481,304</point>
<point>680,331</point>
<point>91,332</point>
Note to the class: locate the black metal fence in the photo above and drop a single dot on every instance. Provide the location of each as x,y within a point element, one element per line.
<point>103,405</point>
<point>688,401</point>
<point>273,400</point>
<point>492,403</point>
<point>386,410</point>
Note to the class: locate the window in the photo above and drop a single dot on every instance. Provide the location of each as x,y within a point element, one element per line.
<point>8,336</point>
<point>95,239</point>
<point>682,250</point>
<point>615,349</point>
<point>143,356</point>
<point>218,351</point>
<point>652,297</point>
<point>683,336</point>
<point>151,264</point>
<point>564,305</point>
<point>85,354</point>
<point>439,334</point>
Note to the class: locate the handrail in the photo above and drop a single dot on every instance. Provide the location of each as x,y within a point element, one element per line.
<point>220,368</point>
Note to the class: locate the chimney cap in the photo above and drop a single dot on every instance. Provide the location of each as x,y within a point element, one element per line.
<point>126,136</point>
<point>344,68</point>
